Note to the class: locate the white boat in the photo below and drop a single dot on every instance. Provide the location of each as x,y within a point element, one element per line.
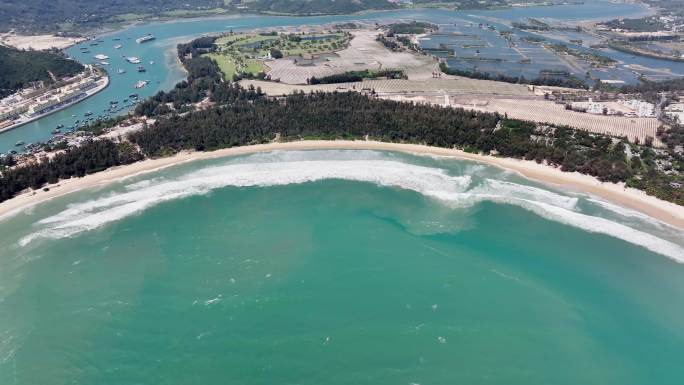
<point>141,83</point>
<point>101,57</point>
<point>118,46</point>
<point>144,39</point>
<point>121,71</point>
<point>104,63</point>
<point>133,60</point>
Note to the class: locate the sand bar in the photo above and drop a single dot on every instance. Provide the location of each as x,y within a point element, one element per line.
<point>38,42</point>
<point>667,212</point>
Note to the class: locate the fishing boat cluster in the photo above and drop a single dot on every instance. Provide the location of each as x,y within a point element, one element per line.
<point>77,129</point>
<point>31,103</point>
<point>101,59</point>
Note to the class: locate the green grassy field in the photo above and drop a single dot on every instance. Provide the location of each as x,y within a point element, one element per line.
<point>246,53</point>
<point>226,65</point>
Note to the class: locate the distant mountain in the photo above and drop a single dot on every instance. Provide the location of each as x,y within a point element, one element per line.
<point>313,7</point>
<point>37,16</point>
<point>19,68</point>
<point>63,15</point>
<point>68,16</point>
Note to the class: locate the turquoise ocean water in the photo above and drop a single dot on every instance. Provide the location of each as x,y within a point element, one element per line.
<point>338,267</point>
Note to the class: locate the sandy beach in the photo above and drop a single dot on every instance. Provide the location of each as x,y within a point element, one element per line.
<point>38,42</point>
<point>667,212</point>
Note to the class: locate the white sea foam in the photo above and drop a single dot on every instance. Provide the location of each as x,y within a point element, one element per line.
<point>637,219</point>
<point>622,211</point>
<point>93,214</point>
<point>513,190</point>
<point>455,191</point>
<point>605,226</point>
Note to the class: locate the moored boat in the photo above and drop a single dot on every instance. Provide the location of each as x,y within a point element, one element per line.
<point>145,39</point>
<point>141,83</point>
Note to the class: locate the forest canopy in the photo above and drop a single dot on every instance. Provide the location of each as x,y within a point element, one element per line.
<point>19,68</point>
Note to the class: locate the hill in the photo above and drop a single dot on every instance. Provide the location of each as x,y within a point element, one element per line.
<point>19,68</point>
<point>63,15</point>
<point>41,16</point>
<point>315,7</point>
<point>74,16</point>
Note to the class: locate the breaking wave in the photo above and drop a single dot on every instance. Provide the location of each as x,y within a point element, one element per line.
<point>455,191</point>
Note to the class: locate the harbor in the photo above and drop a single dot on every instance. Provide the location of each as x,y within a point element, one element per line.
<point>120,61</point>
<point>30,105</point>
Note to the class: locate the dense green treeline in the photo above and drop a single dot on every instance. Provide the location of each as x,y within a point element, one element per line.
<point>322,115</point>
<point>413,28</point>
<point>352,115</point>
<point>91,157</point>
<point>196,48</point>
<point>203,75</point>
<point>357,76</point>
<point>19,68</point>
<point>648,86</point>
<point>204,81</point>
<point>674,137</point>
<point>644,24</point>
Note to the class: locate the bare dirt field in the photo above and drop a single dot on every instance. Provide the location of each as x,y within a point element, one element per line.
<point>455,86</point>
<point>363,53</point>
<point>548,112</point>
<point>38,42</point>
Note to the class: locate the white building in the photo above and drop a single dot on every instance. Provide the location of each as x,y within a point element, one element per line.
<point>595,108</point>
<point>641,109</point>
<point>11,112</point>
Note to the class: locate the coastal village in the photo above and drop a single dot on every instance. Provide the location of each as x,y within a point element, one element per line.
<point>39,100</point>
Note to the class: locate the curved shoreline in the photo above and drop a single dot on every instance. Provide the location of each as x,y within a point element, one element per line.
<point>666,212</point>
